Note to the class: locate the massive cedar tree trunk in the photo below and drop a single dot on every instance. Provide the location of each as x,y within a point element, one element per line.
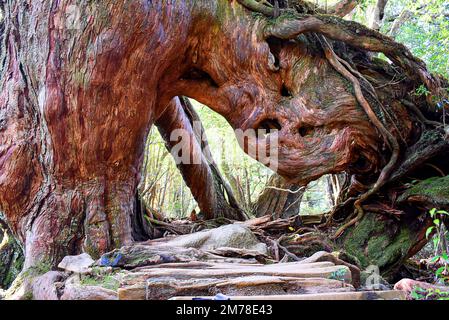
<point>83,81</point>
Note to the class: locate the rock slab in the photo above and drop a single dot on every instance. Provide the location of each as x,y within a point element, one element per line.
<point>77,264</point>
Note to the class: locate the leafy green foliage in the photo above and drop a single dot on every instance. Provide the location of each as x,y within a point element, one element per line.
<point>422,91</point>
<point>419,293</point>
<point>426,33</point>
<point>439,244</point>
<point>338,275</point>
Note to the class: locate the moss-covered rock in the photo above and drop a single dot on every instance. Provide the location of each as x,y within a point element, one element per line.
<point>383,242</point>
<point>387,242</point>
<point>109,282</point>
<point>434,190</point>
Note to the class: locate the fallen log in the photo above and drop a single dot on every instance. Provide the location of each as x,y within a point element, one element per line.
<point>163,282</point>
<point>329,257</point>
<point>135,256</point>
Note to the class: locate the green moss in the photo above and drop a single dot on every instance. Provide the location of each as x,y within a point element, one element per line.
<point>359,236</point>
<point>25,278</point>
<point>435,189</point>
<point>14,270</point>
<point>372,244</point>
<point>28,296</point>
<point>387,253</point>
<point>11,260</point>
<point>38,269</point>
<point>107,282</point>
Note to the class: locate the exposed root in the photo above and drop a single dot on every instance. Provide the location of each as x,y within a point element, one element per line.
<point>419,114</point>
<point>341,8</point>
<point>337,208</point>
<point>360,214</point>
<point>369,87</point>
<point>357,35</point>
<point>441,172</point>
<point>291,25</point>
<point>284,249</point>
<point>256,6</point>
<point>335,61</point>
<point>286,190</point>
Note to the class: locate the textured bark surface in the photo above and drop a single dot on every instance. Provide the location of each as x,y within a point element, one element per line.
<point>77,101</point>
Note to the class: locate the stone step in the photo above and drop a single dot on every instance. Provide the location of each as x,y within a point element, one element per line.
<point>165,288</point>
<point>319,270</point>
<point>162,282</point>
<point>362,295</point>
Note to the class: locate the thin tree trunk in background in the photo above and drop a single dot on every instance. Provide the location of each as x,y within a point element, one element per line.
<point>278,203</point>
<point>213,195</point>
<point>233,181</point>
<point>399,22</point>
<point>182,201</point>
<point>334,188</point>
<point>249,203</point>
<point>378,15</point>
<point>164,192</point>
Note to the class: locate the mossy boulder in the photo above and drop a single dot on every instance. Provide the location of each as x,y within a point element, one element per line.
<point>384,242</point>
<point>433,191</point>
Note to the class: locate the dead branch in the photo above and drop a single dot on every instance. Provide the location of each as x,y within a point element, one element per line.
<point>288,253</point>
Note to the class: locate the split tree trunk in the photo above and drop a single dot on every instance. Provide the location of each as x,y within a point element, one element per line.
<point>81,84</point>
<point>198,168</point>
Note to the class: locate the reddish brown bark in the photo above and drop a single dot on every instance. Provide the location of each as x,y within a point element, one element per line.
<point>76,104</point>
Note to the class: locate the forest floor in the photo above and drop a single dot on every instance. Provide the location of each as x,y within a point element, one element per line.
<point>228,262</point>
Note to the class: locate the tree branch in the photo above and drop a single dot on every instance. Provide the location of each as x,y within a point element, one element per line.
<point>343,8</point>
<point>397,24</point>
<point>289,27</point>
<point>257,7</point>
